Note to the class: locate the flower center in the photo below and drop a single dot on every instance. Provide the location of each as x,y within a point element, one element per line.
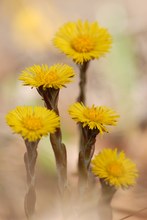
<point>92,114</point>
<point>32,123</point>
<point>50,77</point>
<point>82,44</point>
<point>115,169</point>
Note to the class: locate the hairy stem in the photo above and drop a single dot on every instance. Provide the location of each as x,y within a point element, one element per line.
<point>30,160</point>
<point>61,160</point>
<point>85,155</point>
<point>82,96</point>
<point>104,209</point>
<point>85,146</point>
<point>50,97</point>
<point>82,83</point>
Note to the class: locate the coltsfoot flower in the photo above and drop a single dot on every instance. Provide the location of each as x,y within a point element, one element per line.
<point>114,168</point>
<point>56,76</point>
<point>32,122</point>
<point>83,41</point>
<point>94,117</point>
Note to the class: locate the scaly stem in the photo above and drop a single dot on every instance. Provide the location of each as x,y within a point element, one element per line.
<point>50,97</point>
<point>82,96</point>
<point>61,160</point>
<point>82,83</point>
<point>85,155</point>
<point>104,209</point>
<point>30,160</point>
<point>84,152</point>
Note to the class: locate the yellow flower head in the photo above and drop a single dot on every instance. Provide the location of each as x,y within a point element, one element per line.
<point>114,168</point>
<point>83,41</point>
<point>94,117</point>
<point>55,76</point>
<point>32,122</point>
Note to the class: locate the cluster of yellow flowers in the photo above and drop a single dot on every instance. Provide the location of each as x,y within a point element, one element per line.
<point>81,41</point>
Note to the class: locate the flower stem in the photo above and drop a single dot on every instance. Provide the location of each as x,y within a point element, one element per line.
<point>61,160</point>
<point>50,97</point>
<point>85,155</point>
<point>104,209</point>
<point>87,138</point>
<point>82,83</point>
<point>30,160</point>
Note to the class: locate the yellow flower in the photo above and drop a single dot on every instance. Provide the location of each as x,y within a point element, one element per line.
<point>55,76</point>
<point>83,41</point>
<point>94,117</point>
<point>32,122</point>
<point>115,169</point>
<point>31,28</point>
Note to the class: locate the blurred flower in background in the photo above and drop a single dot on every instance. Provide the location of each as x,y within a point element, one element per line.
<point>31,28</point>
<point>31,23</point>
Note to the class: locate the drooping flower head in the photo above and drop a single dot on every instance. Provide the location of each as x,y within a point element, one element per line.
<point>55,76</point>
<point>94,117</point>
<point>114,168</point>
<point>32,122</point>
<point>83,41</point>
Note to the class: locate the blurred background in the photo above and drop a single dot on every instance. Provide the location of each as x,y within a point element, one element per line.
<point>119,80</point>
